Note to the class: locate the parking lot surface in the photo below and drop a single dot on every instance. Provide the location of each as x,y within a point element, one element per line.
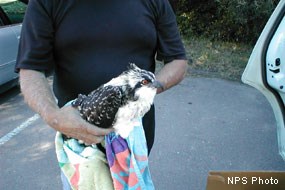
<point>203,124</point>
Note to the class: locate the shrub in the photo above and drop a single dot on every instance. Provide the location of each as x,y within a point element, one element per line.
<point>239,20</point>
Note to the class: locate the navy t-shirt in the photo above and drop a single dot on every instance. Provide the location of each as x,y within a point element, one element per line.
<point>88,42</point>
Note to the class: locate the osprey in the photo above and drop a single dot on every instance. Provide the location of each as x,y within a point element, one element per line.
<point>121,101</point>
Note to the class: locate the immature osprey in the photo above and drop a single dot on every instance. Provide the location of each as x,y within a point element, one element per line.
<point>119,102</point>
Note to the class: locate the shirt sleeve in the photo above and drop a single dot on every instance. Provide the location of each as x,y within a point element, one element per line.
<point>170,46</point>
<point>36,42</point>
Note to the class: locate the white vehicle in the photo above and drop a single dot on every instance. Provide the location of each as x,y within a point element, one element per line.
<point>266,68</point>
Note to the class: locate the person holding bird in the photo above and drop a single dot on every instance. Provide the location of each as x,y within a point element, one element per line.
<point>86,43</point>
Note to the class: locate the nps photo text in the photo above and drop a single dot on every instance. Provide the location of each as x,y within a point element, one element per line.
<point>252,180</point>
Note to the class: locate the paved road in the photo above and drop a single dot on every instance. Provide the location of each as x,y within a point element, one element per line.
<point>202,125</point>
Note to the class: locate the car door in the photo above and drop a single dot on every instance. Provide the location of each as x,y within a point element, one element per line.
<point>265,70</point>
<point>11,16</point>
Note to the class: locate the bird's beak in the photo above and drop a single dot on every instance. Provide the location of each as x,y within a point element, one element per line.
<point>157,84</point>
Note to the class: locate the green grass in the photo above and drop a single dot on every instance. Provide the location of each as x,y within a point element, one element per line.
<point>216,59</point>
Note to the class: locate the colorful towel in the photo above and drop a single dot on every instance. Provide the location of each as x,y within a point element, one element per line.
<point>124,168</point>
<point>85,168</point>
<point>128,160</point>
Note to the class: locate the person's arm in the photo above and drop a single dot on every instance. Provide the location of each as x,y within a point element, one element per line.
<point>171,74</point>
<point>67,120</point>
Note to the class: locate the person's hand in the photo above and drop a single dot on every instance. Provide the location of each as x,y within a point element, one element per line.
<point>68,121</point>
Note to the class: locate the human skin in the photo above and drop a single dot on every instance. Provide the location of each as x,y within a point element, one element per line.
<point>67,120</point>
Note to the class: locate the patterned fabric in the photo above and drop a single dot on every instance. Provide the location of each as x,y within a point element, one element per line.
<point>128,160</point>
<point>124,168</point>
<point>85,168</point>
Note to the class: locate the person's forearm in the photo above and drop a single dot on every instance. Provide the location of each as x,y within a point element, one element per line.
<point>67,120</point>
<point>37,93</point>
<point>171,74</point>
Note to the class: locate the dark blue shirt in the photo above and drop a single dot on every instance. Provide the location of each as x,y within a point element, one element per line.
<point>88,42</point>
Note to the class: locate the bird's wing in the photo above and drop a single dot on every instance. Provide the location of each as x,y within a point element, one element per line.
<point>100,106</point>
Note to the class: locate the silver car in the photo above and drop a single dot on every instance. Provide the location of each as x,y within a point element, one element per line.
<point>11,16</point>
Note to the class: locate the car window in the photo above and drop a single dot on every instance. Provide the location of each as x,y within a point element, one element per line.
<point>11,12</point>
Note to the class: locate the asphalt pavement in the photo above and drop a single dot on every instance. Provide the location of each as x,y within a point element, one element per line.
<point>203,124</point>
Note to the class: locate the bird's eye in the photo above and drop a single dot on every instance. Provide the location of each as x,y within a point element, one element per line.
<point>144,82</point>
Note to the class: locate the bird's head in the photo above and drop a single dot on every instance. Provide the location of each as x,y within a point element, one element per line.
<point>140,84</point>
<point>140,78</point>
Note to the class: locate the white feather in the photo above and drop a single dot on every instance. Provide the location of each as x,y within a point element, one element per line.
<point>126,117</point>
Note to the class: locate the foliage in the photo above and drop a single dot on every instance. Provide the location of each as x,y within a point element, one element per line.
<point>239,20</point>
<point>15,10</point>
